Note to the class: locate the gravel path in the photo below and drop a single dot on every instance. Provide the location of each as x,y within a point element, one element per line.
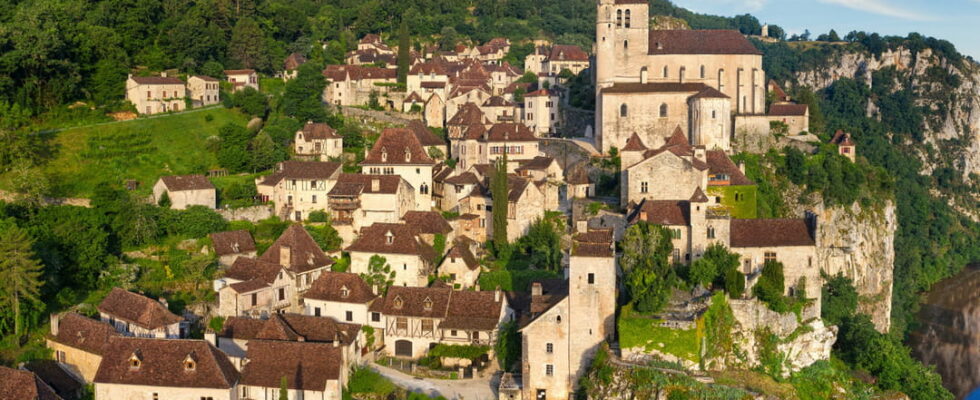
<point>463,389</point>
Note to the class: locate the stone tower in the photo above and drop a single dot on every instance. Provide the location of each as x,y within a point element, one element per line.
<point>622,40</point>
<point>591,297</point>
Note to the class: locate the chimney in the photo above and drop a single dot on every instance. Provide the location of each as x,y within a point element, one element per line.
<point>285,255</point>
<point>164,302</point>
<point>211,337</point>
<point>336,339</point>
<point>741,166</point>
<point>55,320</point>
<point>375,185</point>
<point>496,294</point>
<point>536,289</point>
<point>163,74</point>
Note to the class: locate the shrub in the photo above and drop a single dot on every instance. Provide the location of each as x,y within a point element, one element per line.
<point>318,216</point>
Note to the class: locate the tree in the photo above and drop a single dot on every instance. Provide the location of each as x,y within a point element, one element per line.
<point>283,389</point>
<point>30,184</point>
<point>404,44</point>
<point>499,192</point>
<point>325,236</point>
<point>769,289</point>
<point>233,153</point>
<point>646,269</point>
<point>838,300</point>
<point>251,101</point>
<point>265,153</point>
<point>164,201</point>
<point>447,38</point>
<point>542,245</point>
<point>379,274</point>
<point>302,97</point>
<point>246,47</point>
<point>20,273</point>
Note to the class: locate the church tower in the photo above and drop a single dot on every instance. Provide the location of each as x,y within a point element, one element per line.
<point>622,37</point>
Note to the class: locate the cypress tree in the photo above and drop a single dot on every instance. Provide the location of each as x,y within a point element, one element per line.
<point>498,190</point>
<point>404,44</point>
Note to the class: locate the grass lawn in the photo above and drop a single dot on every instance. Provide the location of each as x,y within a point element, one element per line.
<point>364,380</point>
<point>637,331</point>
<point>142,149</point>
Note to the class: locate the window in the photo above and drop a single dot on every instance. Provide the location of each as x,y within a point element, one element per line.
<point>666,72</point>
<point>401,324</point>
<point>627,24</point>
<point>770,256</point>
<point>344,292</point>
<point>663,110</point>
<point>550,348</point>
<point>591,278</point>
<point>427,325</point>
<point>702,72</point>
<point>714,114</point>
<point>626,44</point>
<point>677,255</point>
<point>623,110</point>
<point>549,370</point>
<point>282,294</point>
<point>156,396</point>
<point>682,73</point>
<point>452,332</point>
<point>316,311</point>
<point>255,299</point>
<point>349,316</point>
<point>375,317</point>
<point>711,232</point>
<point>427,304</point>
<point>148,95</point>
<point>675,233</point>
<point>314,199</point>
<point>644,187</point>
<point>619,18</point>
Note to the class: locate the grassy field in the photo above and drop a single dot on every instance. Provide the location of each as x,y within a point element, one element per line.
<point>143,149</point>
<point>637,331</point>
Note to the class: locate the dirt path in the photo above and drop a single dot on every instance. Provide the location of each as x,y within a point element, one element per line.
<point>462,389</point>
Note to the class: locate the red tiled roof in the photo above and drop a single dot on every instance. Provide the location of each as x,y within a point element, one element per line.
<point>206,78</point>
<point>16,384</point>
<point>83,333</point>
<point>239,71</point>
<point>720,163</point>
<point>634,143</point>
<point>50,372</point>
<point>710,93</point>
<point>654,87</point>
<point>137,309</point>
<point>700,42</point>
<point>507,132</point>
<point>156,80</point>
<point>562,52</point>
<point>788,109</point>
<point>770,233</point>
<point>293,61</point>
<point>373,239</point>
<point>177,183</point>
<point>541,93</point>
<point>433,85</point>
<point>247,270</point>
<point>352,185</point>
<point>536,163</point>
<point>698,196</point>
<point>468,114</point>
<point>424,134</point>
<point>471,310</point>
<point>777,91</point>
<point>497,101</point>
<point>397,146</point>
<point>466,178</point>
<point>305,366</point>
<point>462,251</point>
<point>414,98</point>
<point>304,253</point>
<point>292,169</point>
<point>162,364</point>
<point>232,242</point>
<point>427,222</point>
<point>664,212</point>
<point>319,131</point>
<point>429,67</point>
<point>328,288</point>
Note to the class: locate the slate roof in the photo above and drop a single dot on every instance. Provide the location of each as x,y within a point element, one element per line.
<point>393,145</point>
<point>319,131</point>
<point>564,52</point>
<point>788,110</point>
<point>654,87</point>
<point>292,169</point>
<point>162,364</point>
<point>304,253</point>
<point>17,384</point>
<point>771,233</point>
<point>83,333</point>
<point>427,222</point>
<point>663,212</point>
<point>177,183</point>
<point>373,239</point>
<point>720,163</point>
<point>700,42</point>
<point>306,366</point>
<point>328,288</point>
<point>157,80</point>
<point>232,242</point>
<point>137,309</point>
<point>352,185</point>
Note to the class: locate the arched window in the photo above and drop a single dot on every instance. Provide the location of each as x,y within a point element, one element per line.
<point>626,44</point>
<point>619,18</point>
<point>665,71</point>
<point>683,70</point>
<point>643,75</point>
<point>713,114</point>
<point>424,189</point>
<point>721,80</point>
<point>627,18</point>
<point>623,110</point>
<point>702,72</point>
<point>663,110</point>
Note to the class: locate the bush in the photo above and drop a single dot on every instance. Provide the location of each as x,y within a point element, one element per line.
<point>318,216</point>
<point>458,351</point>
<point>769,288</point>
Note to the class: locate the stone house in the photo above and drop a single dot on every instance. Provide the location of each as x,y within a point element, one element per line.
<point>185,191</point>
<point>502,75</point>
<point>342,296</point>
<point>409,257</point>
<point>434,111</point>
<point>460,266</point>
<point>526,203</point>
<point>137,315</point>
<point>579,184</point>
<point>24,384</point>
<point>242,78</point>
<point>203,90</point>
<point>428,75</point>
<point>290,66</point>
<point>318,142</point>
<point>311,370</point>
<point>436,147</point>
<point>78,343</point>
<point>359,200</point>
<point>483,145</point>
<point>792,242</point>
<point>567,320</point>
<point>276,280</point>
<point>632,60</point>
<point>238,334</point>
<point>845,146</point>
<point>299,187</point>
<point>498,109</point>
<point>455,188</point>
<point>417,318</point>
<point>372,41</point>
<point>795,116</point>
<point>139,368</point>
<point>471,90</point>
<point>431,227</point>
<point>351,85</point>
<point>230,245</point>
<point>469,114</point>
<point>155,94</point>
<point>541,112</point>
<point>413,103</point>
<point>562,57</point>
<point>399,152</point>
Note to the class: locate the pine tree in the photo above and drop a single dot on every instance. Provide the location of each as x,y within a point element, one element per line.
<point>404,45</point>
<point>499,192</point>
<point>20,273</point>
<point>247,42</point>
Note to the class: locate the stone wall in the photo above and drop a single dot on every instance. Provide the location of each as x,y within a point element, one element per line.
<point>251,214</point>
<point>576,122</point>
<point>389,117</point>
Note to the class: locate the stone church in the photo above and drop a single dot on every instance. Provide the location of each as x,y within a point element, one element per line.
<point>649,81</point>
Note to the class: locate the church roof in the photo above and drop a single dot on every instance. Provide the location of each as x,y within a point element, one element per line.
<point>788,109</point>
<point>770,233</point>
<point>710,93</point>
<point>663,212</point>
<point>654,87</point>
<point>634,143</point>
<point>699,196</point>
<point>699,42</point>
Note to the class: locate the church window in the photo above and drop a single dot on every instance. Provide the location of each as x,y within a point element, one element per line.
<point>627,18</point>
<point>626,44</point>
<point>619,18</point>
<point>663,110</point>
<point>711,232</point>
<point>644,187</point>
<point>702,72</point>
<point>623,110</point>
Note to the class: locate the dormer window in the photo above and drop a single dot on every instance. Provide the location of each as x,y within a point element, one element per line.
<point>344,292</point>
<point>135,360</point>
<point>427,304</point>
<point>399,302</point>
<point>189,363</point>
<point>384,154</point>
<point>389,237</point>
<point>408,155</point>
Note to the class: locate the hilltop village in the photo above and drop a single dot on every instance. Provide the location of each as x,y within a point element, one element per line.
<point>477,161</point>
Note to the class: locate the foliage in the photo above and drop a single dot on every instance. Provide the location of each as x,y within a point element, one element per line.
<point>541,246</point>
<point>301,99</point>
<point>21,273</point>
<point>646,270</point>
<point>771,360</point>
<point>458,351</point>
<point>164,201</point>
<point>514,280</point>
<point>318,216</point>
<point>646,333</point>
<point>251,102</point>
<point>364,380</point>
<point>380,274</point>
<point>838,299</point>
<point>718,324</point>
<point>508,347</point>
<point>283,389</point>
<point>770,287</point>
<point>714,266</point>
<point>404,43</point>
<point>216,323</point>
<point>499,191</point>
<point>325,236</point>
<point>233,153</point>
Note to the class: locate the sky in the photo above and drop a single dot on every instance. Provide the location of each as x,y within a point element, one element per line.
<point>957,21</point>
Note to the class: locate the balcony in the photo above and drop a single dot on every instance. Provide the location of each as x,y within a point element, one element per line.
<point>347,204</point>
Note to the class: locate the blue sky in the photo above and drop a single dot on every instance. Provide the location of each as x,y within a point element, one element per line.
<point>957,21</point>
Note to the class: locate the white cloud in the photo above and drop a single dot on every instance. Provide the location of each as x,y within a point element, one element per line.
<point>880,7</point>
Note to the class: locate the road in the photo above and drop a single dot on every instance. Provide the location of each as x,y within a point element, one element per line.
<point>463,389</point>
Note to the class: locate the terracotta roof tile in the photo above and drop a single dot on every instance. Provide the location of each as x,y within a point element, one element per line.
<point>462,251</point>
<point>466,178</point>
<point>427,222</point>
<point>634,143</point>
<point>432,85</point>
<point>471,310</point>
<point>137,309</point>
<point>306,366</point>
<point>700,42</point>
<point>232,242</point>
<point>664,212</point>
<point>176,183</point>
<point>84,333</point>
<point>241,328</point>
<point>563,52</point>
<point>23,385</point>
<point>507,132</point>
<point>412,301</point>
<point>319,131</point>
<point>206,78</point>
<point>304,253</point>
<point>710,93</point>
<point>542,93</point>
<point>397,146</point>
<point>468,114</point>
<point>720,163</point>
<point>162,364</point>
<point>536,163</point>
<point>353,185</point>
<point>788,110</point>
<point>157,80</point>
<point>698,196</point>
<point>239,71</point>
<point>373,239</point>
<point>248,269</point>
<point>424,134</point>
<point>54,375</point>
<point>578,175</point>
<point>770,233</point>
<point>292,169</point>
<point>329,287</point>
